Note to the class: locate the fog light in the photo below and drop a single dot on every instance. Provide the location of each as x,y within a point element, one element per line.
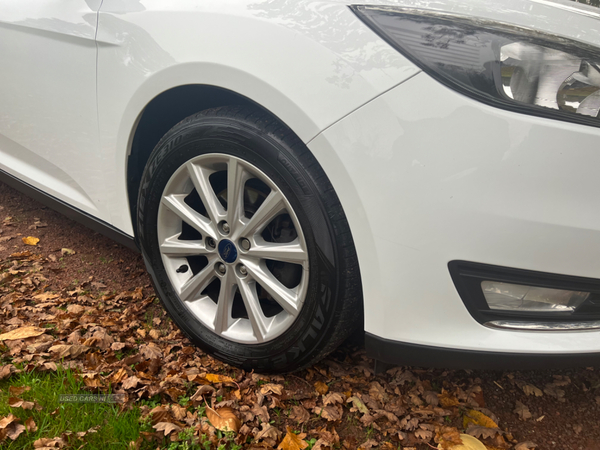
<point>516,297</point>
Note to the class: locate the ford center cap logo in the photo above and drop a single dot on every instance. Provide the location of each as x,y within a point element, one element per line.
<point>227,251</point>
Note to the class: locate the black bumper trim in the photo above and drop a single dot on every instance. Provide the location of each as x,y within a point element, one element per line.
<point>405,354</point>
<point>70,211</point>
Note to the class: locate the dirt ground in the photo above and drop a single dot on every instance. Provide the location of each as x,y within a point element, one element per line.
<point>557,409</point>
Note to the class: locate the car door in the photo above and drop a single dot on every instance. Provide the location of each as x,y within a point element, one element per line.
<point>48,120</point>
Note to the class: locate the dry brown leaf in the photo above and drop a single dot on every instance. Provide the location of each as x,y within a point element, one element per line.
<point>299,414</point>
<point>45,296</point>
<point>268,432</point>
<point>358,404</point>
<point>18,390</point>
<point>30,425</point>
<point>522,410</point>
<point>30,240</point>
<point>333,398</point>
<point>331,413</point>
<point>214,378</point>
<point>527,445</point>
<point>553,390</point>
<point>7,370</point>
<point>368,444</point>
<point>481,431</point>
<point>377,391</point>
<point>530,389</point>
<point>426,435</point>
<point>49,443</point>
<point>22,333</point>
<point>131,382</point>
<point>321,388</point>
<point>447,437</point>
<point>151,351</point>
<point>10,427</point>
<point>431,398</point>
<point>474,417</point>
<point>68,350</point>
<point>271,388</point>
<point>166,427</point>
<point>447,400</point>
<point>223,419</point>
<point>16,402</point>
<point>293,441</point>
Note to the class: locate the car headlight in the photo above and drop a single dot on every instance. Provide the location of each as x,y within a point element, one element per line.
<point>499,64</point>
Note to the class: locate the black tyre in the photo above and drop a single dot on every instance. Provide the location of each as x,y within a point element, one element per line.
<point>246,241</point>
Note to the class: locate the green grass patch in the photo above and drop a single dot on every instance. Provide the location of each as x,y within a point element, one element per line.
<point>116,430</point>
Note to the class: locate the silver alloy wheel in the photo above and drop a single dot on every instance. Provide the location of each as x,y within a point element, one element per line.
<point>241,267</point>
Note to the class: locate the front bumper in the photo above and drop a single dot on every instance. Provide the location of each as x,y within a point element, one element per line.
<point>427,176</point>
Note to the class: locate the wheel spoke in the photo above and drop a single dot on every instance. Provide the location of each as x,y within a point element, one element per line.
<point>252,304</point>
<point>286,298</point>
<point>236,178</point>
<point>269,209</point>
<point>174,247</point>
<point>291,252</point>
<point>199,176</point>
<point>197,283</point>
<point>176,203</point>
<point>221,322</point>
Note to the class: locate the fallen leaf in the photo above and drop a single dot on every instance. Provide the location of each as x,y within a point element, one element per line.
<point>527,445</point>
<point>22,333</point>
<point>68,350</point>
<point>10,427</point>
<point>299,414</point>
<point>522,410</point>
<point>447,400</point>
<point>30,240</point>
<point>30,425</point>
<point>330,413</point>
<point>530,389</point>
<point>18,390</point>
<point>268,432</point>
<point>368,444</point>
<point>447,437</point>
<point>223,419</point>
<point>467,443</point>
<point>7,370</point>
<point>478,418</point>
<point>271,388</point>
<point>358,404</point>
<point>321,388</point>
<point>67,251</point>
<point>49,443</point>
<point>333,398</point>
<point>377,392</point>
<point>166,427</point>
<point>293,441</point>
<point>481,431</point>
<point>16,402</point>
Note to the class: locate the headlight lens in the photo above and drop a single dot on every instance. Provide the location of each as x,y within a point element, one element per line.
<point>506,66</point>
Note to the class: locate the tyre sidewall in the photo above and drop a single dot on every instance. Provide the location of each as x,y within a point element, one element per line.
<point>267,152</point>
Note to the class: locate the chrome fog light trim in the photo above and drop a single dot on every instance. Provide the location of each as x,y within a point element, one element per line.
<point>544,326</point>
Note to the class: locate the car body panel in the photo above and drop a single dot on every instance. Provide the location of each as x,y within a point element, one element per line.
<point>48,123</point>
<point>250,49</point>
<point>465,181</point>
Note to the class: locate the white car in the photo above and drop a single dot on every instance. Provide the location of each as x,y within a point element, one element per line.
<point>292,170</point>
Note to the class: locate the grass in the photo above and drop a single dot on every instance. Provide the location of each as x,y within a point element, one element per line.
<point>116,430</point>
